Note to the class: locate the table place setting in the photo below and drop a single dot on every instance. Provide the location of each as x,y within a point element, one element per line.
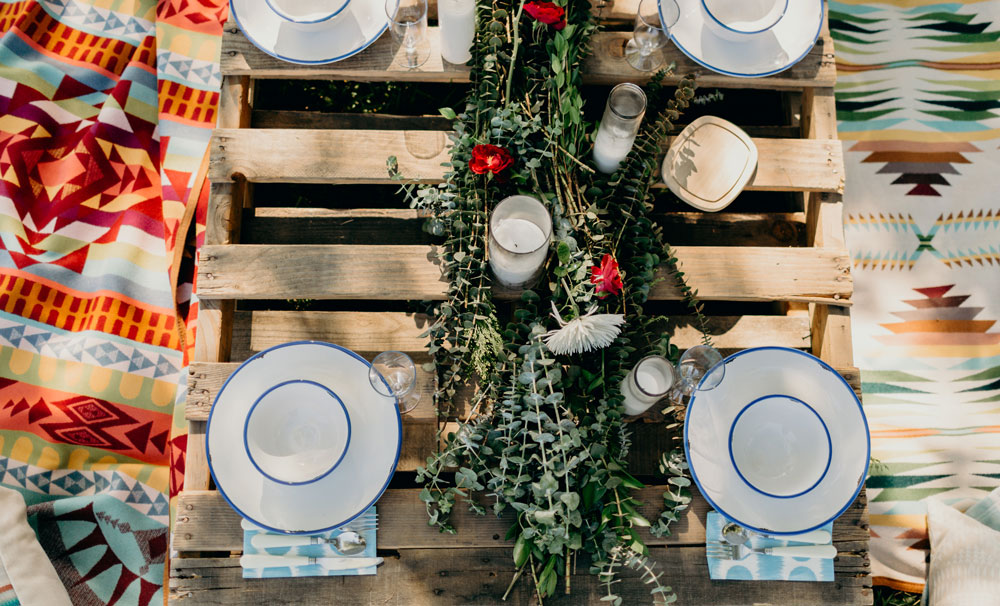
<point>347,551</point>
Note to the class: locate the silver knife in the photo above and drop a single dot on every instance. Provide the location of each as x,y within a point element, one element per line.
<point>267,561</point>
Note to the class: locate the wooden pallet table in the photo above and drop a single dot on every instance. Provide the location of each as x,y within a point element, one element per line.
<point>779,278</point>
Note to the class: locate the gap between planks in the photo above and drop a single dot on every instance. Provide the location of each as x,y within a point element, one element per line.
<point>359,156</point>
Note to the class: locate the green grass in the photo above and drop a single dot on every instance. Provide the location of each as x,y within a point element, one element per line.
<point>885,596</point>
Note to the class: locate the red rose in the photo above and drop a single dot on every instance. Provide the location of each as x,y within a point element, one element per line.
<point>548,13</point>
<point>489,159</point>
<point>606,277</point>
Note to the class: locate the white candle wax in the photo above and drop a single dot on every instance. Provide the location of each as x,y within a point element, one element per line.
<point>648,376</point>
<point>457,20</point>
<point>517,236</point>
<point>610,148</point>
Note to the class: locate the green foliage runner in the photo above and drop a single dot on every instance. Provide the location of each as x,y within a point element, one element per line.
<point>544,434</point>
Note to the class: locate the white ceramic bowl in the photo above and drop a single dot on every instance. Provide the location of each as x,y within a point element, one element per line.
<point>297,432</point>
<point>307,14</point>
<point>781,446</point>
<point>735,19</point>
<point>311,372</point>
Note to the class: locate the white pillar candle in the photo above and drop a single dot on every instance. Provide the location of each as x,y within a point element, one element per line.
<point>457,20</point>
<point>622,116</point>
<point>647,383</point>
<point>610,148</point>
<point>520,228</point>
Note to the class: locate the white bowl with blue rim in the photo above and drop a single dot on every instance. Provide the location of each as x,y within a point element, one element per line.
<point>782,445</point>
<point>299,442</point>
<point>310,32</point>
<point>733,20</point>
<point>307,14</point>
<point>745,38</point>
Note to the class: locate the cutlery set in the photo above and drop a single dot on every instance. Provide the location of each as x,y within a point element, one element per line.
<point>734,546</point>
<point>346,541</point>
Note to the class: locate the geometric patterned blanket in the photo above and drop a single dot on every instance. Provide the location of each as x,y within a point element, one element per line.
<point>106,109</point>
<point>918,86</point>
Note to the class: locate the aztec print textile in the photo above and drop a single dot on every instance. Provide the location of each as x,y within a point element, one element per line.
<point>106,109</point>
<point>918,88</point>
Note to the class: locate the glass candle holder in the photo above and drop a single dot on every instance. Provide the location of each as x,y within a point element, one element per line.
<point>647,383</point>
<point>622,117</point>
<point>457,21</point>
<point>520,230</point>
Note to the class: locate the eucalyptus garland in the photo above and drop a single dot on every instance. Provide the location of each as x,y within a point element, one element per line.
<point>544,434</point>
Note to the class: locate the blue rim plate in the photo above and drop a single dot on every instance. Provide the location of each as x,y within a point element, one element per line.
<point>347,491</point>
<point>354,29</point>
<point>759,373</point>
<point>756,55</point>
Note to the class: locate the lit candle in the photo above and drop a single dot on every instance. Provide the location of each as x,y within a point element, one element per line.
<point>520,228</point>
<point>647,383</point>
<point>457,20</point>
<point>622,116</point>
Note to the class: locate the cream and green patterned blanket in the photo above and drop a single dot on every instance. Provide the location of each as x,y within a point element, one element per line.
<point>918,87</point>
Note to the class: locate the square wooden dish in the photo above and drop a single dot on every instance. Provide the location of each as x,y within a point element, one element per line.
<point>709,163</point>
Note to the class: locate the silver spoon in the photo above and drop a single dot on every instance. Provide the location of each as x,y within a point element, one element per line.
<point>734,534</point>
<point>346,543</point>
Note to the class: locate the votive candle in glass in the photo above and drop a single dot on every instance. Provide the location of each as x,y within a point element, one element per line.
<point>520,230</point>
<point>457,22</point>
<point>622,117</point>
<point>647,383</point>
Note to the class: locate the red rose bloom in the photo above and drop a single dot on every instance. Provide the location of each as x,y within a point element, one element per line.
<point>489,159</point>
<point>548,13</point>
<point>606,277</point>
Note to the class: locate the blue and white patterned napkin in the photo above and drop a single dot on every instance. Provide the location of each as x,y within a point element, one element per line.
<point>765,567</point>
<point>323,550</point>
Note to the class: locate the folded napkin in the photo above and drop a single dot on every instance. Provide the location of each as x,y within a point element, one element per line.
<point>322,550</point>
<point>765,567</point>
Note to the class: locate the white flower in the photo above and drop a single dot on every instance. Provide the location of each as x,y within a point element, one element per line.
<point>586,333</point>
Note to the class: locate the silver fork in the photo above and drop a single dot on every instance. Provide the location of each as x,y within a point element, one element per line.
<point>718,550</point>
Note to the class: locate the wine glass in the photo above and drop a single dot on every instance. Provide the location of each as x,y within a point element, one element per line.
<point>699,369</point>
<point>408,23</point>
<point>394,375</point>
<point>652,30</point>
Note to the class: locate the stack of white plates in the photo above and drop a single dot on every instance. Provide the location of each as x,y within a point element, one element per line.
<point>745,38</point>
<point>299,442</point>
<point>310,31</point>
<point>781,446</point>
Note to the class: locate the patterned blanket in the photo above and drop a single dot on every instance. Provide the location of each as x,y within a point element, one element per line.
<point>918,85</point>
<point>106,109</point>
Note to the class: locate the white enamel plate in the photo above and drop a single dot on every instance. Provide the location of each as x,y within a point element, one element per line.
<point>781,446</point>
<point>753,55</point>
<point>351,30</point>
<point>359,447</point>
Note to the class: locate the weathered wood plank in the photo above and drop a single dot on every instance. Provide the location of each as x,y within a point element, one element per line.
<point>605,66</point>
<point>205,379</point>
<point>359,156</point>
<point>369,333</point>
<point>411,272</point>
<point>205,522</point>
<point>481,577</point>
<point>279,225</point>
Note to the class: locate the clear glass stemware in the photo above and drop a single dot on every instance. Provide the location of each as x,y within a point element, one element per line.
<point>394,375</point>
<point>652,30</point>
<point>693,367</point>
<point>408,23</point>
